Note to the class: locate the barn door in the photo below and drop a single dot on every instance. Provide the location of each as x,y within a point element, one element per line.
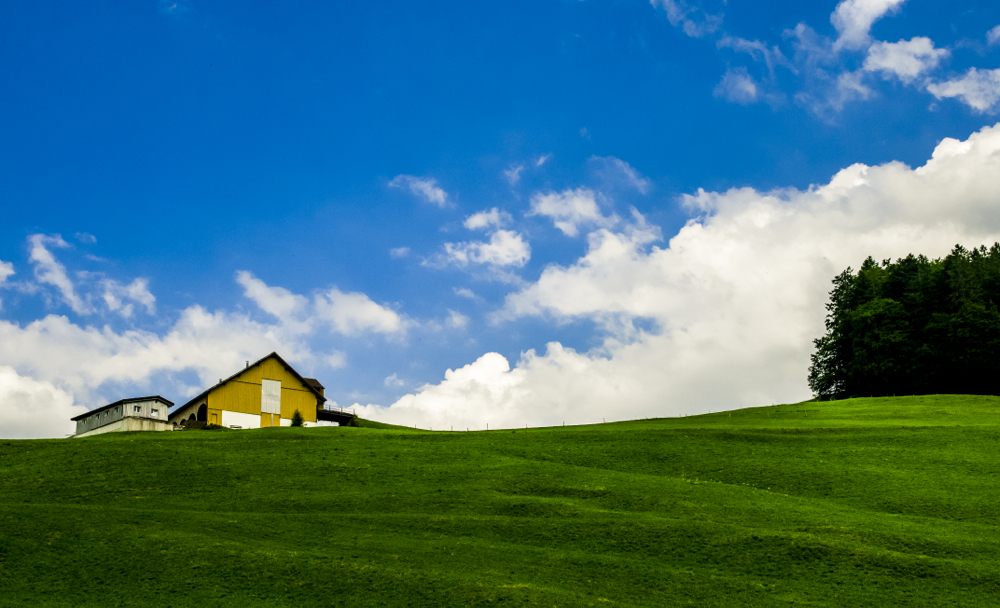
<point>270,403</point>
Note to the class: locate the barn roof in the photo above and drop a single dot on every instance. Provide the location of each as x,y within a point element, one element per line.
<point>121,402</point>
<point>291,369</point>
<point>313,382</point>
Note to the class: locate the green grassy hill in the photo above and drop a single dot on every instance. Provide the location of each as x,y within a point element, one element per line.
<point>865,502</point>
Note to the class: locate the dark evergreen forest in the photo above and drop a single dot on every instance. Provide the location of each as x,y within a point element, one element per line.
<point>913,326</point>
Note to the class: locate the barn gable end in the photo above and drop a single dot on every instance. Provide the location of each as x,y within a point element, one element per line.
<point>238,401</point>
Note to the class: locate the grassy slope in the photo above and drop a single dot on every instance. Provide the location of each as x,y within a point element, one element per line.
<point>861,502</point>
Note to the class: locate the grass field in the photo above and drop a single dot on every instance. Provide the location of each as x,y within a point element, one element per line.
<point>864,502</point>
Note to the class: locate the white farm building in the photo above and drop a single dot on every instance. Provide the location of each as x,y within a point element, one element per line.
<point>136,414</point>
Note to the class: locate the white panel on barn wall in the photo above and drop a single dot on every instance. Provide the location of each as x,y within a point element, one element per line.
<point>244,421</point>
<point>270,399</point>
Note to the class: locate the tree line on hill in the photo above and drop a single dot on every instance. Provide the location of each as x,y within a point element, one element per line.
<point>913,326</point>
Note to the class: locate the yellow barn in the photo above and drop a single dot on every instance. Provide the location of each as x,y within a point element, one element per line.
<point>266,393</point>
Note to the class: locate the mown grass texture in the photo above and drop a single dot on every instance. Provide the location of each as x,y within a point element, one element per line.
<point>863,502</point>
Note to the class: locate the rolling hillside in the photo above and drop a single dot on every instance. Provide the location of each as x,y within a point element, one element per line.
<point>860,502</point>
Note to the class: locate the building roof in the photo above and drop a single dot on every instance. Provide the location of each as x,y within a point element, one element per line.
<point>313,382</point>
<point>291,369</point>
<point>121,402</point>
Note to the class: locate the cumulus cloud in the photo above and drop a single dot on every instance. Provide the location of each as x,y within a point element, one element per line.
<point>613,169</point>
<point>818,64</point>
<point>854,19</point>
<point>733,301</point>
<point>335,359</point>
<point>465,292</point>
<point>737,86</point>
<point>80,359</point>
<point>513,174</point>
<point>993,36</point>
<point>31,409</point>
<point>58,362</point>
<point>399,252</point>
<point>86,237</point>
<point>505,248</point>
<point>457,320</point>
<point>289,308</point>
<point>354,313</point>
<point>771,56</point>
<point>6,270</point>
<point>544,158</point>
<point>424,188</point>
<point>979,89</point>
<point>570,209</point>
<point>49,271</point>
<point>905,59</point>
<point>349,314</point>
<point>694,21</point>
<point>493,218</point>
<point>117,296</point>
<point>393,381</point>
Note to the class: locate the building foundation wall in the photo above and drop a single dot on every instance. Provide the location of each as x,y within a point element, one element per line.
<point>130,424</point>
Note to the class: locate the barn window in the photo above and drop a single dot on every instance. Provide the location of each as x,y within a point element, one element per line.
<point>136,409</point>
<point>270,397</point>
<point>155,412</point>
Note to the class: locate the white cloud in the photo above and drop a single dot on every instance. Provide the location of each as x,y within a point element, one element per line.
<point>487,219</point>
<point>336,359</point>
<point>116,295</point>
<point>465,293</point>
<point>979,89</point>
<point>31,409</point>
<point>57,361</point>
<point>457,320</point>
<point>570,209</point>
<point>513,174</point>
<point>993,36</point>
<point>49,271</point>
<point>82,359</point>
<point>175,8</point>
<point>393,381</point>
<point>771,56</point>
<point>86,237</point>
<point>847,87</point>
<point>615,169</point>
<point>694,21</point>
<point>854,18</point>
<point>737,86</point>
<point>544,158</point>
<point>505,248</point>
<point>905,59</point>
<point>354,313</point>
<point>733,301</point>
<point>289,308</point>
<point>399,252</point>
<point>425,188</point>
<point>350,314</point>
<point>6,270</point>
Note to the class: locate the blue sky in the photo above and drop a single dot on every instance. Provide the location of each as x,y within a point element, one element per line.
<point>190,184</point>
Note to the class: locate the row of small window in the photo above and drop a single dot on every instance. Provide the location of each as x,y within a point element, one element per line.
<point>136,409</point>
